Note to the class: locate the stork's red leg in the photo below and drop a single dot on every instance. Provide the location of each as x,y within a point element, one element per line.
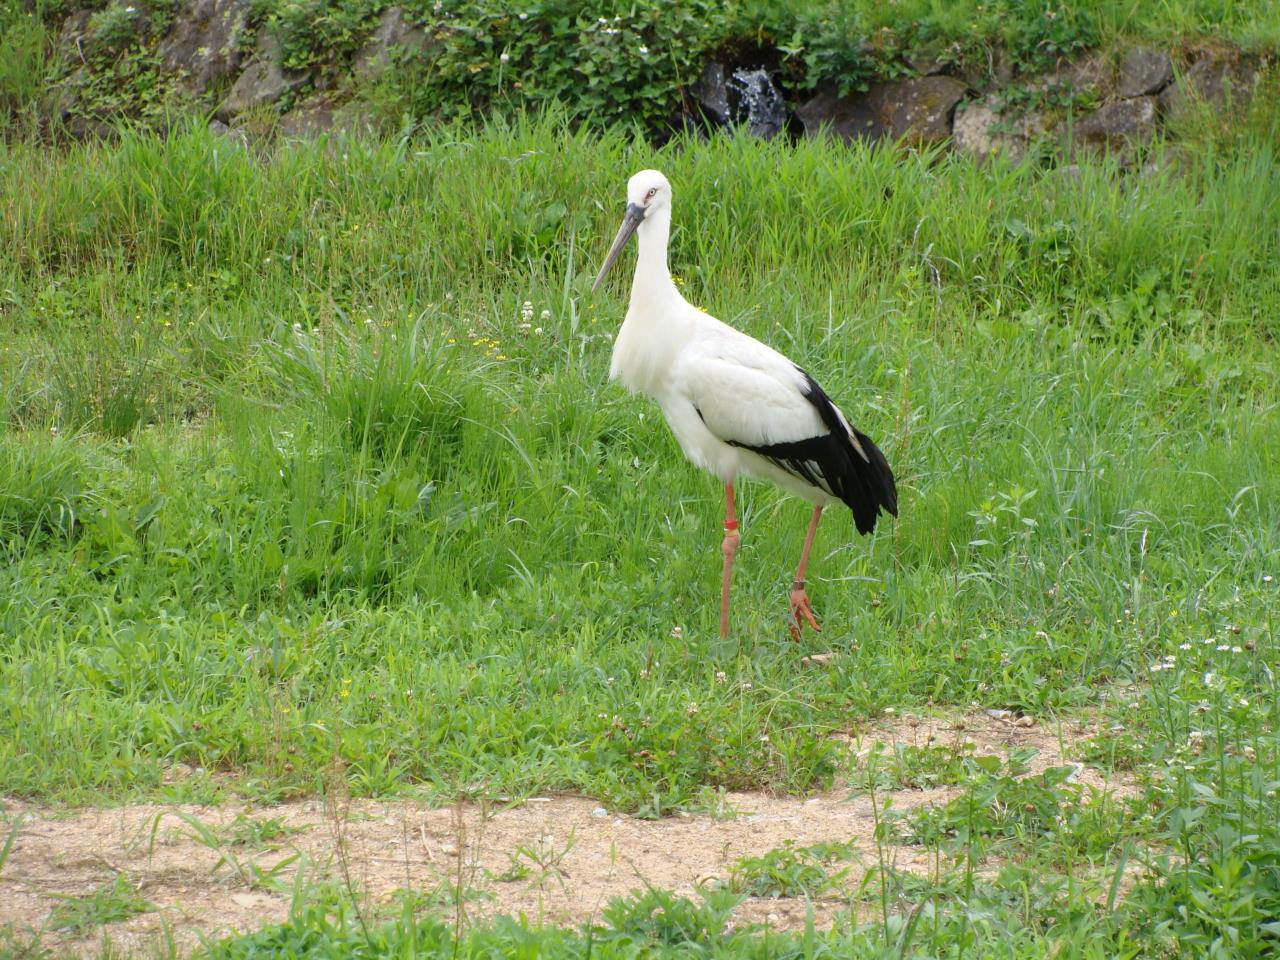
<point>799,599</point>
<point>729,548</point>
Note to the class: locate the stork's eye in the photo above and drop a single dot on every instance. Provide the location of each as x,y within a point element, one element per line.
<point>653,191</point>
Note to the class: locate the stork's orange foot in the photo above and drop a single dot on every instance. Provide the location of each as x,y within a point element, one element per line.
<point>801,612</point>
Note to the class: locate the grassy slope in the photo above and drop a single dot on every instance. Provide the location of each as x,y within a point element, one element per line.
<point>353,512</point>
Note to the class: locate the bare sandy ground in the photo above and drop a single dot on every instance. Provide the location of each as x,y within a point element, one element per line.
<point>556,859</point>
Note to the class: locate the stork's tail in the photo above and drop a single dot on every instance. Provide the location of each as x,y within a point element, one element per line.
<point>869,486</point>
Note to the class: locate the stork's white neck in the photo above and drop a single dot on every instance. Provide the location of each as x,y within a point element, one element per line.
<point>658,323</point>
<point>652,281</point>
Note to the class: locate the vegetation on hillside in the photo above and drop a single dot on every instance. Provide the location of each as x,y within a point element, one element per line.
<point>603,62</point>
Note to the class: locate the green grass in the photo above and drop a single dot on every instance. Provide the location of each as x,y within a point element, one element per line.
<point>285,480</point>
<point>289,492</point>
<point>110,903</point>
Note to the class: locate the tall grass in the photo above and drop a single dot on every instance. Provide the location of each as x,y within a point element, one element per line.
<point>288,474</point>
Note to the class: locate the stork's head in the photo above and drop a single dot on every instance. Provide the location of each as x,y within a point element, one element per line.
<point>648,193</point>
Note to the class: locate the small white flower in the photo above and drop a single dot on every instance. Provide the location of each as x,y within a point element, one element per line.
<point>545,315</point>
<point>691,710</point>
<point>1184,646</point>
<point>526,311</point>
<point>677,632</point>
<point>721,676</point>
<point>1237,650</point>
<point>1266,578</point>
<point>504,58</point>
<point>1221,647</point>
<point>644,51</point>
<point>538,331</point>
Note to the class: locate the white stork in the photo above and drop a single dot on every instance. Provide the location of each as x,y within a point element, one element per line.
<point>735,405</point>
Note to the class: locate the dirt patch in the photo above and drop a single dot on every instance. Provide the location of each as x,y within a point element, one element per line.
<point>553,859</point>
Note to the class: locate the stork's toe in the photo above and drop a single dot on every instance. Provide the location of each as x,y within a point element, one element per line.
<point>801,613</point>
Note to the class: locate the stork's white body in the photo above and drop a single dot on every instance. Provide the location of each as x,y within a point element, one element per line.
<point>712,382</point>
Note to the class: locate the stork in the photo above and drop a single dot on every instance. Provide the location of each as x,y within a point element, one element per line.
<point>735,405</point>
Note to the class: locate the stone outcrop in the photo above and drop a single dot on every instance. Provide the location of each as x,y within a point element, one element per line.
<point>1144,71</point>
<point>393,33</point>
<point>917,111</point>
<point>263,81</point>
<point>1118,124</point>
<point>1095,101</point>
<point>318,115</point>
<point>204,44</point>
<point>1221,80</point>
<point>983,132</point>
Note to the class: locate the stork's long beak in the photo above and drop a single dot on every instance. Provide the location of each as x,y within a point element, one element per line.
<point>633,219</point>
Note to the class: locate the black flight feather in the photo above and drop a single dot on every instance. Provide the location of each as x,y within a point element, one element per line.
<point>833,463</point>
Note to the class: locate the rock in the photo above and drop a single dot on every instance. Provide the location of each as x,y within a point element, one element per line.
<point>306,121</point>
<point>392,32</point>
<point>1144,71</point>
<point>926,64</point>
<point>204,42</point>
<point>1117,124</point>
<point>917,110</point>
<point>318,116</point>
<point>1217,79</point>
<point>233,136</point>
<point>982,132</point>
<point>712,94</point>
<point>263,82</point>
<point>71,37</point>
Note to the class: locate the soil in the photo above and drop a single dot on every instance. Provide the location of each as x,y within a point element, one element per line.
<point>553,859</point>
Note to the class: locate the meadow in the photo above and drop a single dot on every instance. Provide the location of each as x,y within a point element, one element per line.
<point>311,475</point>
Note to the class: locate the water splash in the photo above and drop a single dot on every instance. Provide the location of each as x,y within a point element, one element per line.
<point>766,113</point>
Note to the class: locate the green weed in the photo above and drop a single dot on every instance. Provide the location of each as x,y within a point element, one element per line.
<point>791,871</point>
<point>110,903</point>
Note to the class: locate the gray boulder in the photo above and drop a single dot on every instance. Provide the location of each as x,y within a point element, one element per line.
<point>918,111</point>
<point>72,36</point>
<point>1144,71</point>
<point>392,32</point>
<point>982,132</point>
<point>1220,80</point>
<point>711,93</point>
<point>204,43</point>
<point>263,82</point>
<point>318,116</point>
<point>1118,124</point>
